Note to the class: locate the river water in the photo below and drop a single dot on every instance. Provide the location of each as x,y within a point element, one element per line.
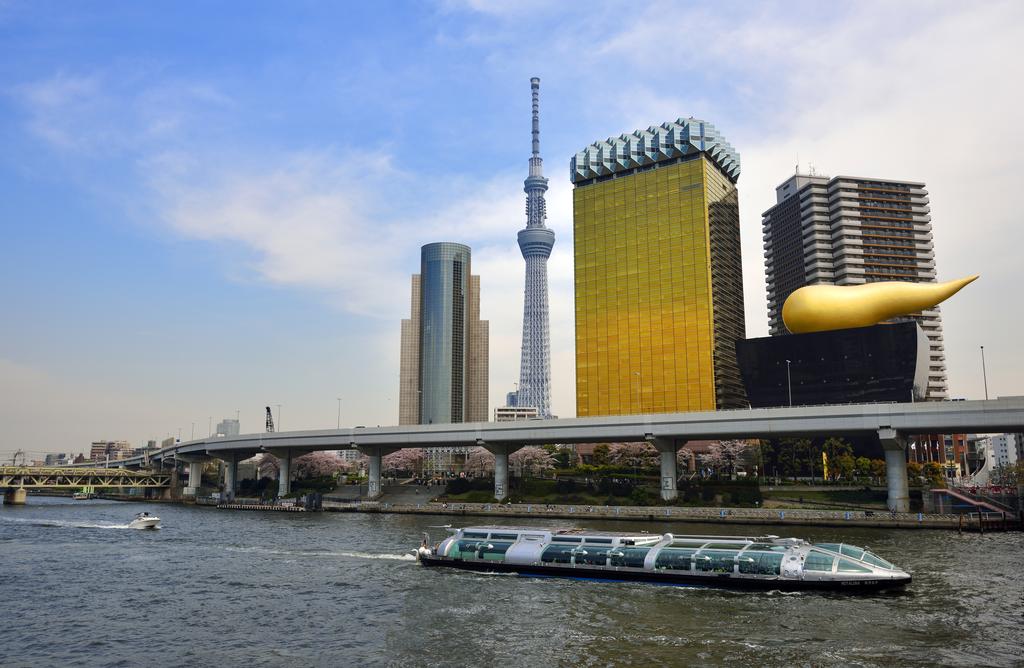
<point>230,588</point>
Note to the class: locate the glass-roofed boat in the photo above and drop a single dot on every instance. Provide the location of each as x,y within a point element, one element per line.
<point>763,562</point>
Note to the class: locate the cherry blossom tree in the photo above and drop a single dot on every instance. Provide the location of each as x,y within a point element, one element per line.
<point>684,458</point>
<point>723,455</point>
<point>479,462</point>
<point>318,465</point>
<point>268,467</point>
<point>637,455</point>
<point>532,460</point>
<point>406,460</point>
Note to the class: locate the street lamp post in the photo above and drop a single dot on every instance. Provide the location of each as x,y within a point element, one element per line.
<point>339,412</point>
<point>278,416</point>
<point>789,385</point>
<point>984,375</point>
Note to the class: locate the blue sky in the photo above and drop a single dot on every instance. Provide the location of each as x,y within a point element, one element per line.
<point>211,207</point>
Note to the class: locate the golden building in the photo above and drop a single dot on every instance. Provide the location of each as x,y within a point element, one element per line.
<point>659,296</point>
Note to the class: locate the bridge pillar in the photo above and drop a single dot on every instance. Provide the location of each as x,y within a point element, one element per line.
<point>376,455</point>
<point>230,478</point>
<point>15,496</point>
<point>195,478</point>
<point>501,453</point>
<point>668,448</point>
<point>284,474</point>
<point>895,447</point>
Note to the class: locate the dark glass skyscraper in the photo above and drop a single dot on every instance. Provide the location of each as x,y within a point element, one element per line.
<point>444,342</point>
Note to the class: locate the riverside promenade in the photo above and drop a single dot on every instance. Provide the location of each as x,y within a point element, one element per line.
<point>581,514</point>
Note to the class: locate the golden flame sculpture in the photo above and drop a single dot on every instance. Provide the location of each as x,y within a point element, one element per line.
<point>819,308</point>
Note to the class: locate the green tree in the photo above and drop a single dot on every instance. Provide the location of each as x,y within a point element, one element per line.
<point>914,471</point>
<point>862,466</point>
<point>846,464</point>
<point>878,469</point>
<point>601,454</point>
<point>933,474</point>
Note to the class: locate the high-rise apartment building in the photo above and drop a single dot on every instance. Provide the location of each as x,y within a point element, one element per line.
<point>536,242</point>
<point>443,368</point>
<point>659,296</point>
<point>227,427</point>
<point>848,231</point>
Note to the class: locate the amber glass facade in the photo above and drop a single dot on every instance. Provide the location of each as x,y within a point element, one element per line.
<point>659,301</point>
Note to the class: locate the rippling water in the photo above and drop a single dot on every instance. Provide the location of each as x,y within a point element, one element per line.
<point>78,588</point>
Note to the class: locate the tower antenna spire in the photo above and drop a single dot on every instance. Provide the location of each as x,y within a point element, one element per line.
<point>535,242</point>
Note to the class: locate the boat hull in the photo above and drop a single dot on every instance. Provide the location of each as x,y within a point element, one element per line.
<point>668,577</point>
<point>148,523</point>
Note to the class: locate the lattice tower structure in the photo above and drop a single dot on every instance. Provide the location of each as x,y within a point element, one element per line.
<point>536,242</point>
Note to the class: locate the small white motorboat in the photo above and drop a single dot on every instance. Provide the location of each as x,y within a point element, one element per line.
<point>145,521</point>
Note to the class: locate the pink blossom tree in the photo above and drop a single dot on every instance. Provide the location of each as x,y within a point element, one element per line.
<point>723,455</point>
<point>268,467</point>
<point>479,462</point>
<point>532,460</point>
<point>684,459</point>
<point>636,455</point>
<point>406,460</point>
<point>318,465</point>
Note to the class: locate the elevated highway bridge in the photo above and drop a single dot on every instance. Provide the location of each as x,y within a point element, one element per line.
<point>891,424</point>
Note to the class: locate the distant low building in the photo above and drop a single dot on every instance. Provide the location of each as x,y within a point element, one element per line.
<point>228,427</point>
<point>103,450</point>
<point>515,413</point>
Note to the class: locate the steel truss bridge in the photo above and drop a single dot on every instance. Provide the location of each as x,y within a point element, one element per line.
<point>41,477</point>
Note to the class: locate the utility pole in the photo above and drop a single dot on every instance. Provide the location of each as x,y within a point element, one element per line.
<point>278,416</point>
<point>339,413</point>
<point>984,375</point>
<point>789,385</point>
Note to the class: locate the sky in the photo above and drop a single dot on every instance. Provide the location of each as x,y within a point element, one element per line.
<point>208,208</point>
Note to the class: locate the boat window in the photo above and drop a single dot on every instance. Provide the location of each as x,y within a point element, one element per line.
<point>504,536</point>
<point>818,561</point>
<point>493,550</point>
<point>465,549</point>
<point>557,554</point>
<point>760,563</point>
<point>629,556</point>
<point>688,543</point>
<point>852,551</point>
<point>566,539</point>
<point>598,541</point>
<point>761,546</point>
<point>877,561</point>
<point>847,566</point>
<point>715,561</point>
<point>676,558</point>
<point>474,534</point>
<point>593,556</point>
<point>831,547</point>
<point>723,546</point>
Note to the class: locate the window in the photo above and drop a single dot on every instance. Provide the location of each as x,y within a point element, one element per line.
<point>847,566</point>
<point>557,554</point>
<point>760,563</point>
<point>818,561</point>
<point>493,550</point>
<point>877,561</point>
<point>715,561</point>
<point>592,556</point>
<point>675,558</point>
<point>851,551</point>
<point>630,556</point>
<point>504,536</point>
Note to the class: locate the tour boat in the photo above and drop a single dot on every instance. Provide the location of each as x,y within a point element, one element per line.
<point>80,496</point>
<point>764,562</point>
<point>145,521</point>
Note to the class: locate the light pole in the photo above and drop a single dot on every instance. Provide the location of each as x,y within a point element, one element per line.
<point>339,412</point>
<point>278,416</point>
<point>639,399</point>
<point>209,427</point>
<point>984,375</point>
<point>789,385</point>
<point>193,431</point>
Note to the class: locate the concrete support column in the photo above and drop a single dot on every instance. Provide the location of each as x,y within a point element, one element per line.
<point>15,496</point>
<point>895,447</point>
<point>284,474</point>
<point>501,453</point>
<point>195,477</point>
<point>230,478</point>
<point>668,448</point>
<point>376,456</point>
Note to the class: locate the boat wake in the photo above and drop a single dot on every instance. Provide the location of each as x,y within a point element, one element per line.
<point>65,524</point>
<point>325,553</point>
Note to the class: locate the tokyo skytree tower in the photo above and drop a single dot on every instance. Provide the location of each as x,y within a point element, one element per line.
<point>536,242</point>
